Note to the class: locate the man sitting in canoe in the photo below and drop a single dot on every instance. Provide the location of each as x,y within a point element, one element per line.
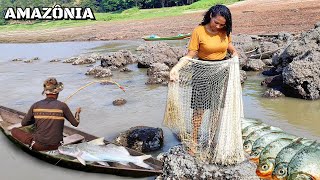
<point>48,117</point>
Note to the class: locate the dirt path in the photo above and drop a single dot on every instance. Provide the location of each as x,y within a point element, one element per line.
<point>249,17</point>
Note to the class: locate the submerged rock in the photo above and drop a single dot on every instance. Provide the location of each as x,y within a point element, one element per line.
<point>99,72</point>
<point>119,102</point>
<point>141,138</point>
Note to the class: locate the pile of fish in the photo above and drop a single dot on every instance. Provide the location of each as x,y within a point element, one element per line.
<point>280,155</point>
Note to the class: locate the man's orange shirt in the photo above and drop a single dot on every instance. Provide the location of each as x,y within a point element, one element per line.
<point>209,46</point>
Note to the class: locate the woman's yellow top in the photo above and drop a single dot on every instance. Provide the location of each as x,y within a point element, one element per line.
<point>209,46</point>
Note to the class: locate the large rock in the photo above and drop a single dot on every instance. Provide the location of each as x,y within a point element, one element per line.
<point>178,164</point>
<point>99,72</point>
<point>159,52</point>
<point>117,59</point>
<point>158,74</point>
<point>244,42</point>
<point>141,138</point>
<point>243,76</point>
<point>302,77</point>
<point>254,65</point>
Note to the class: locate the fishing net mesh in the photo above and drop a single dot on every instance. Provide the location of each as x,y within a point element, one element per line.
<point>204,108</point>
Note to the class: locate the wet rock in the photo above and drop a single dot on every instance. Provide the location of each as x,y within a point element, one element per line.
<point>272,93</point>
<point>141,138</point>
<point>178,164</point>
<point>84,60</point>
<point>271,72</point>
<point>118,59</point>
<point>159,52</point>
<point>17,59</point>
<point>55,60</point>
<point>243,76</point>
<point>267,62</point>
<point>301,78</point>
<point>70,60</point>
<point>99,72</point>
<point>119,102</point>
<point>158,74</point>
<point>273,81</point>
<point>254,65</point>
<point>125,69</point>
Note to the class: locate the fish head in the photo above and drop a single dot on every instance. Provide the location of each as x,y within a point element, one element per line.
<point>69,150</point>
<point>301,176</point>
<point>280,172</point>
<point>247,146</point>
<point>254,156</point>
<point>265,168</point>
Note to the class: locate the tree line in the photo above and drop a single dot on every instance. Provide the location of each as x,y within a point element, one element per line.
<point>96,5</point>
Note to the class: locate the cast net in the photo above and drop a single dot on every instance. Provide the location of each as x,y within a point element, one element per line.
<point>204,108</point>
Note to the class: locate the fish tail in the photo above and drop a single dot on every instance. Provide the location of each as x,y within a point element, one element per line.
<point>140,162</point>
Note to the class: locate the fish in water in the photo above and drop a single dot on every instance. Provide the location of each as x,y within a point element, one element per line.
<point>268,156</point>
<point>305,165</point>
<point>283,158</point>
<point>253,136</point>
<point>91,152</point>
<point>263,141</point>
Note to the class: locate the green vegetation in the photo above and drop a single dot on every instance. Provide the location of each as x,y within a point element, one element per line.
<point>128,14</point>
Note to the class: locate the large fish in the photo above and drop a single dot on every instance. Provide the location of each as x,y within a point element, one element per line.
<point>247,122</point>
<point>263,141</point>
<point>253,136</point>
<point>305,165</point>
<point>90,152</point>
<point>249,129</point>
<point>283,158</point>
<point>268,156</point>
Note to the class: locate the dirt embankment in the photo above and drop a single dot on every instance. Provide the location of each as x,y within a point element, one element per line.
<point>249,17</point>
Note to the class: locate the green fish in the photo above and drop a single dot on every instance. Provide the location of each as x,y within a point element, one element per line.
<point>247,122</point>
<point>283,158</point>
<point>253,136</point>
<point>264,140</point>
<point>253,127</point>
<point>305,165</point>
<point>268,156</point>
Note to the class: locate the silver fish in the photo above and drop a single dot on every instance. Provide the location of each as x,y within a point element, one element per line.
<point>305,164</point>
<point>253,136</point>
<point>283,158</point>
<point>249,129</point>
<point>88,152</point>
<point>268,156</point>
<point>264,140</point>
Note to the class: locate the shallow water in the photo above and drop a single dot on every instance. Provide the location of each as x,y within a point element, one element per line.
<point>21,86</point>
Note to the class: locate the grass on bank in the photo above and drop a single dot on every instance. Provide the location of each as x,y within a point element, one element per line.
<point>129,14</point>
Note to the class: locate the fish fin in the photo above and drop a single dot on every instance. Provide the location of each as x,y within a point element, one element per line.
<point>99,141</point>
<point>140,162</point>
<point>314,143</point>
<point>103,163</point>
<point>298,140</point>
<point>83,162</point>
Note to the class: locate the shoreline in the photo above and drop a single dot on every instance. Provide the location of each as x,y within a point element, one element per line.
<point>249,17</point>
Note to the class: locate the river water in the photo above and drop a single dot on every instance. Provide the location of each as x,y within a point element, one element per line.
<point>21,86</point>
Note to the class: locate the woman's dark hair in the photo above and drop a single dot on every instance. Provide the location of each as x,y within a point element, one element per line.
<point>222,11</point>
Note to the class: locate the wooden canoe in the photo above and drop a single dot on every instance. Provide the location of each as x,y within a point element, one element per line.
<point>178,37</point>
<point>9,117</point>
